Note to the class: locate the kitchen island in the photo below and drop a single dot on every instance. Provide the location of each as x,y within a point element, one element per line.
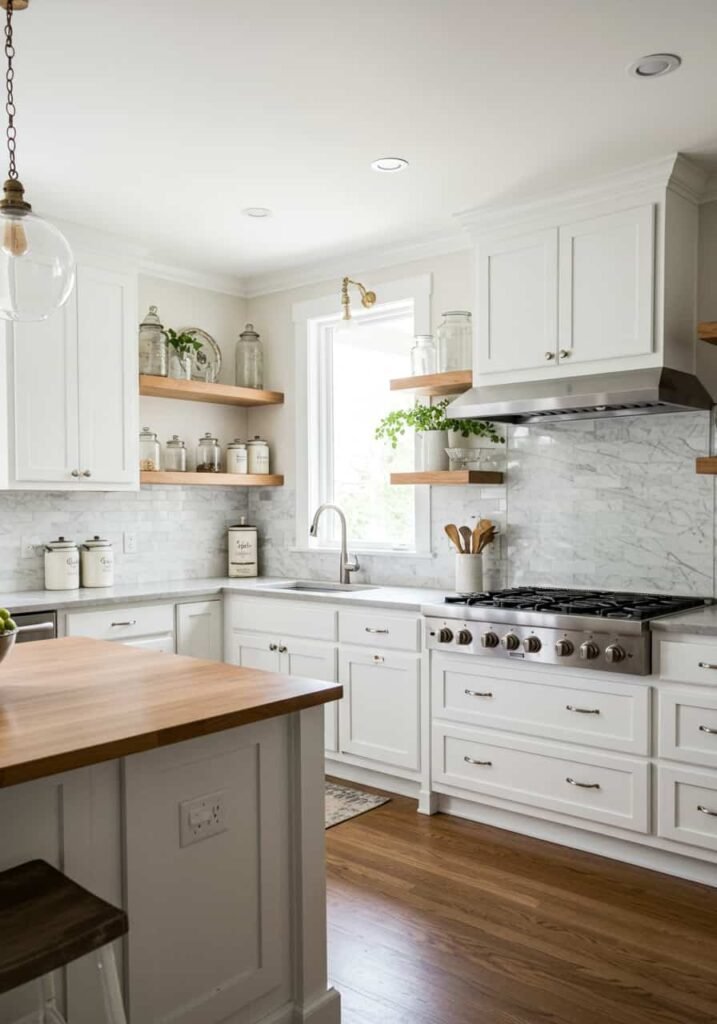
<point>191,793</point>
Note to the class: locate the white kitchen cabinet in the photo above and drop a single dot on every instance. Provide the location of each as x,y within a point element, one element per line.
<point>72,390</point>
<point>199,630</point>
<point>605,286</point>
<point>254,650</point>
<point>380,714</point>
<point>517,302</point>
<point>163,644</point>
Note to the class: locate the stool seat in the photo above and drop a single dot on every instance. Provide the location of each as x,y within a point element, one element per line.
<point>47,920</point>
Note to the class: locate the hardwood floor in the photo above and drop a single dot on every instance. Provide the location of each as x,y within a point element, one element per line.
<point>443,921</point>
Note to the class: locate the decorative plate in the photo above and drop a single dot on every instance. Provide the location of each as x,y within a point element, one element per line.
<point>208,357</point>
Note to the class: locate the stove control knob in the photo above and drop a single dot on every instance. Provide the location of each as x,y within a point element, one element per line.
<point>489,640</point>
<point>445,636</point>
<point>464,637</point>
<point>511,642</point>
<point>589,650</point>
<point>532,644</point>
<point>614,653</point>
<point>563,648</point>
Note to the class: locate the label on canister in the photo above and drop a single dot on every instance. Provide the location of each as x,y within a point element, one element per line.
<point>243,552</point>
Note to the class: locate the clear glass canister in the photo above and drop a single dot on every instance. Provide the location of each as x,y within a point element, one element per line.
<point>237,461</point>
<point>209,454</point>
<point>149,451</point>
<point>249,359</point>
<point>455,341</point>
<point>175,455</point>
<point>152,345</point>
<point>423,355</point>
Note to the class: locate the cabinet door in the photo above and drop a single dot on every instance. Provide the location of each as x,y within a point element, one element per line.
<point>518,303</point>
<point>42,378</point>
<point>380,712</point>
<point>254,651</point>
<point>607,268</point>
<point>164,643</point>
<point>199,630</point>
<point>315,661</point>
<point>108,395</point>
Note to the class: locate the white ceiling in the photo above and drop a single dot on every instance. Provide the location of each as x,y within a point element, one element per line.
<point>161,119</point>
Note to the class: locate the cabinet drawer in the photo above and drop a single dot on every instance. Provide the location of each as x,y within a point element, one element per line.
<point>611,790</point>
<point>281,618</point>
<point>688,663</point>
<point>687,806</point>
<point>116,623</point>
<point>376,628</point>
<point>688,726</point>
<point>164,644</point>
<point>612,715</point>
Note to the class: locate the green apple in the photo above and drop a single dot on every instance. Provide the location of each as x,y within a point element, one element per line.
<point>10,625</point>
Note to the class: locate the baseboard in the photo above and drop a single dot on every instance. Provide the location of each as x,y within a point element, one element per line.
<point>325,1010</point>
<point>367,777</point>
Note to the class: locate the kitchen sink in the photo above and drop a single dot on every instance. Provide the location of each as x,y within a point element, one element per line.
<point>320,587</point>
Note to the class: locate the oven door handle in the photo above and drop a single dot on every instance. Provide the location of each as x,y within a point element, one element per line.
<point>36,627</point>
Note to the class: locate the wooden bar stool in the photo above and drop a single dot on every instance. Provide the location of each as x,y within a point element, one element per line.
<point>46,922</point>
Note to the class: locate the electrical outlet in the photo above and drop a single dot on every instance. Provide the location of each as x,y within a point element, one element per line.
<point>30,547</point>
<point>202,817</point>
<point>129,543</point>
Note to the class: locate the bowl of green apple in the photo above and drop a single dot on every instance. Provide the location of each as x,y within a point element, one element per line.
<point>8,633</point>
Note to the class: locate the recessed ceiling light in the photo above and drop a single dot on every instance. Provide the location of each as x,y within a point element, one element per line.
<point>390,164</point>
<point>256,211</point>
<point>655,65</point>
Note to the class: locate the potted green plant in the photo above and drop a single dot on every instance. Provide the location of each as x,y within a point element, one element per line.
<point>431,426</point>
<point>181,348</point>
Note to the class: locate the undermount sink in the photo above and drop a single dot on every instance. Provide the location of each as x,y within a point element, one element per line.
<point>320,586</point>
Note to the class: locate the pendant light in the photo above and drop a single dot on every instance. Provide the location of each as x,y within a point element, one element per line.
<point>37,269</point>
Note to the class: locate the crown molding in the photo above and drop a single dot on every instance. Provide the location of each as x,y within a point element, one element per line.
<point>359,262</point>
<point>710,193</point>
<point>225,284</point>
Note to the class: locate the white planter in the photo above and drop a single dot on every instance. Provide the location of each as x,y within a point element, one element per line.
<point>469,574</point>
<point>180,367</point>
<point>430,451</point>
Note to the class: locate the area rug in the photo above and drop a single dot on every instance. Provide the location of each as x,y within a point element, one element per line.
<point>343,803</point>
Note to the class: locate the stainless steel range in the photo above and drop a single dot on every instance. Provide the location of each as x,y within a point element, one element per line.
<point>590,629</point>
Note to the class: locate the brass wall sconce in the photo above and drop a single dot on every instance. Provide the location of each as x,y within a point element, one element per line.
<point>367,298</point>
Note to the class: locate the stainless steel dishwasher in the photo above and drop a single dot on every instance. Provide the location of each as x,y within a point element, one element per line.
<point>35,626</point>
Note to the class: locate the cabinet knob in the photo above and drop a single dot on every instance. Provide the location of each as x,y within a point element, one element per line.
<point>273,647</point>
<point>282,649</point>
<point>86,472</point>
<point>564,353</point>
<point>550,355</point>
<point>75,473</point>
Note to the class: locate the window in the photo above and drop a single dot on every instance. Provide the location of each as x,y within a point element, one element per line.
<point>346,371</point>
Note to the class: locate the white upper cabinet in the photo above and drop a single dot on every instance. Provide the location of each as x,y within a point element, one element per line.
<point>72,397</point>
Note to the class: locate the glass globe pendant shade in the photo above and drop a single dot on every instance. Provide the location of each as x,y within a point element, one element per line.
<point>37,268</point>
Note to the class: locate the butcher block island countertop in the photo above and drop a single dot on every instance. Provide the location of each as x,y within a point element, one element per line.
<point>74,702</point>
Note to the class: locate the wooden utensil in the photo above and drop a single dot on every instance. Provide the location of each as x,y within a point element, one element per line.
<point>486,538</point>
<point>454,536</point>
<point>465,532</point>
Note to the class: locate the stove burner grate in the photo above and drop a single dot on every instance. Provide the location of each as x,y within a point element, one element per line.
<point>603,604</point>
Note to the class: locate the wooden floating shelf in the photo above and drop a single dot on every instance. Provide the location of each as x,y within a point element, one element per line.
<point>454,382</point>
<point>200,391</point>
<point>213,479</point>
<point>707,464</point>
<point>707,331</point>
<point>451,477</point>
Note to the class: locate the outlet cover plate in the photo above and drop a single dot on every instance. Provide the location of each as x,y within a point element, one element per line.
<point>202,817</point>
<point>129,543</point>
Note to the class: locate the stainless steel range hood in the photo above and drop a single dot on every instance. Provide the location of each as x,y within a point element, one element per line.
<point>622,393</point>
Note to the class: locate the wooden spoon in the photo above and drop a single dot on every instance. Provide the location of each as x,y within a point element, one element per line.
<point>487,537</point>
<point>453,535</point>
<point>465,532</point>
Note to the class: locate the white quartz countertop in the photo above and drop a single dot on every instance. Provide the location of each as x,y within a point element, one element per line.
<point>400,598</point>
<point>700,621</point>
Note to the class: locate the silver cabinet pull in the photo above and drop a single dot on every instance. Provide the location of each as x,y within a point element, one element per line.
<point>75,473</point>
<point>472,760</point>
<point>705,810</point>
<point>583,785</point>
<point>132,622</point>
<point>273,647</point>
<point>377,659</point>
<point>283,649</point>
<point>706,728</point>
<point>550,355</point>
<point>478,693</point>
<point>564,353</point>
<point>706,664</point>
<point>86,472</point>
<point>370,629</point>
<point>582,711</point>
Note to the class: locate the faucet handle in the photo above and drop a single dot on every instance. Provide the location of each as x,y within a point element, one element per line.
<point>352,564</point>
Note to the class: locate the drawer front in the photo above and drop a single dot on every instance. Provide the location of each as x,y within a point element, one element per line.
<point>283,618</point>
<point>611,790</point>
<point>164,644</point>
<point>117,623</point>
<point>377,628</point>
<point>688,726</point>
<point>688,663</point>
<point>687,806</point>
<point>612,715</point>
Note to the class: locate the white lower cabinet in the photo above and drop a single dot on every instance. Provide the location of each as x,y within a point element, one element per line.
<point>380,713</point>
<point>199,630</point>
<point>687,806</point>
<point>164,644</point>
<point>254,650</point>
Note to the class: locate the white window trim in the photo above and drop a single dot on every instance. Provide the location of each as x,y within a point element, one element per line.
<point>327,307</point>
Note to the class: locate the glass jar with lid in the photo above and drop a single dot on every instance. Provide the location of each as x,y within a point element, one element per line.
<point>423,355</point>
<point>149,451</point>
<point>175,455</point>
<point>209,454</point>
<point>249,359</point>
<point>455,341</point>
<point>152,345</point>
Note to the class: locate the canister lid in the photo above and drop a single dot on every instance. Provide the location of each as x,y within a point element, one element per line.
<point>208,439</point>
<point>152,318</point>
<point>146,434</point>
<point>61,544</point>
<point>97,542</point>
<point>176,442</point>
<point>257,440</point>
<point>243,525</point>
<point>236,443</point>
<point>249,334</point>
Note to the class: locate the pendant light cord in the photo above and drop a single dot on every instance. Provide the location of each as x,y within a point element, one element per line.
<point>11,132</point>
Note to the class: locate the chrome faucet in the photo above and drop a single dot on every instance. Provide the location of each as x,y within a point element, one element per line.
<point>347,565</point>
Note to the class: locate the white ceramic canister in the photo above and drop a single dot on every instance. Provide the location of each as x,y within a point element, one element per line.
<point>97,563</point>
<point>243,550</point>
<point>258,455</point>
<point>237,458</point>
<point>62,565</point>
<point>469,574</point>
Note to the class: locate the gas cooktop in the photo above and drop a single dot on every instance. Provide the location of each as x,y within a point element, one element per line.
<point>603,603</point>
